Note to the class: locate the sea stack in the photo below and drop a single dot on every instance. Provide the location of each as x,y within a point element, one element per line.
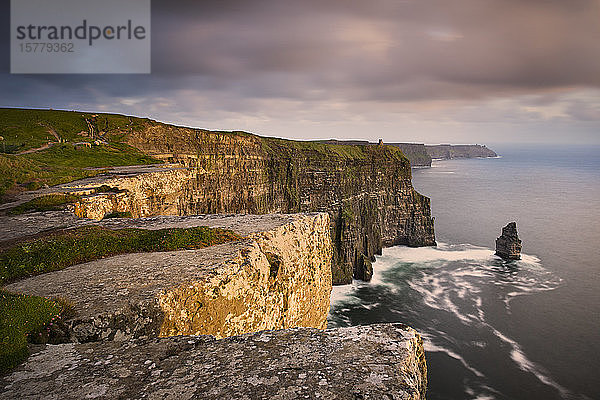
<point>508,245</point>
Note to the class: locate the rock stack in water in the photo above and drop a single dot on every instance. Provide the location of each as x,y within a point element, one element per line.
<point>508,245</point>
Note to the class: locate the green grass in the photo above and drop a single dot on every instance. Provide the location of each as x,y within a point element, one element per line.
<point>118,214</point>
<point>23,317</point>
<point>63,163</point>
<point>289,148</point>
<point>75,246</point>
<point>24,129</point>
<point>51,202</point>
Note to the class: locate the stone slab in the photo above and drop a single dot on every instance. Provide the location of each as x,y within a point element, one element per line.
<point>383,361</point>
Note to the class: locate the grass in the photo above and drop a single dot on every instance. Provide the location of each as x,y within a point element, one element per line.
<point>51,202</point>
<point>118,214</point>
<point>24,317</point>
<point>24,129</point>
<point>75,246</point>
<point>63,163</point>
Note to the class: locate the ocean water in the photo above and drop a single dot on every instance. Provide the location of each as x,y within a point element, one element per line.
<point>528,329</point>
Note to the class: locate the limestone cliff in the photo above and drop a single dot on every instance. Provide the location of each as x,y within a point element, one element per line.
<point>362,362</point>
<point>450,151</point>
<point>367,190</point>
<point>276,278</point>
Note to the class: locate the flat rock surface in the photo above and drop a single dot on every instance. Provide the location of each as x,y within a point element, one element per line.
<point>25,225</point>
<point>363,362</point>
<point>112,283</point>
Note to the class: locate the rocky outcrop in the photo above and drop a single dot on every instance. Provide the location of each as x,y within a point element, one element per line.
<point>278,277</point>
<point>508,245</point>
<point>451,151</point>
<point>366,190</point>
<point>362,362</point>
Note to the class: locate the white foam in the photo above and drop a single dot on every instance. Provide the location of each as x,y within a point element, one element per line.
<point>443,252</point>
<point>452,278</point>
<point>525,364</point>
<point>429,346</point>
<point>343,293</point>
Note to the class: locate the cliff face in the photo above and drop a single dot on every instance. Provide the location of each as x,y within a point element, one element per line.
<point>447,151</point>
<point>277,278</point>
<point>366,190</point>
<point>415,152</point>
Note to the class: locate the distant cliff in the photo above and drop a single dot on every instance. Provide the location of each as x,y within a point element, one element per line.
<point>450,151</point>
<point>421,155</point>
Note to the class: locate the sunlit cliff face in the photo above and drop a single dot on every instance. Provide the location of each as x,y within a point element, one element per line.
<point>412,70</point>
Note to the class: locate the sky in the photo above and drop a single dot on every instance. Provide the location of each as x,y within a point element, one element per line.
<point>432,71</point>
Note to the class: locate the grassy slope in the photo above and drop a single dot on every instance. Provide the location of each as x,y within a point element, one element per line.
<point>24,129</point>
<point>63,162</point>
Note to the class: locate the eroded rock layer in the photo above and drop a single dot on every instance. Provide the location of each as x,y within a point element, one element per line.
<point>278,277</point>
<point>508,245</point>
<point>363,362</point>
<point>366,190</point>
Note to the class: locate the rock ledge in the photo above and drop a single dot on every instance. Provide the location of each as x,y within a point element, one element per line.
<point>363,362</point>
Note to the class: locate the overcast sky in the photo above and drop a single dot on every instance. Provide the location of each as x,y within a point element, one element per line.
<point>434,71</point>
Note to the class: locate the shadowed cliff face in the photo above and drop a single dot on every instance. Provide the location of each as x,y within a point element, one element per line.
<point>367,190</point>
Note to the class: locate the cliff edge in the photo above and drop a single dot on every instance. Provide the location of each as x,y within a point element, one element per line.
<point>278,277</point>
<point>361,362</point>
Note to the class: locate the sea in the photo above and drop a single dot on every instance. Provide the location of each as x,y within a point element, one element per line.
<point>527,329</point>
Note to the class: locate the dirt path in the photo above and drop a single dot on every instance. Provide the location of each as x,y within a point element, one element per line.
<point>44,147</point>
<point>47,145</point>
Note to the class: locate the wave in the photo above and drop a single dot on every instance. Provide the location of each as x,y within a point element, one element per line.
<point>458,281</point>
<point>430,346</point>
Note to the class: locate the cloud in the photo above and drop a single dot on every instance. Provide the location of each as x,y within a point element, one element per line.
<point>268,64</point>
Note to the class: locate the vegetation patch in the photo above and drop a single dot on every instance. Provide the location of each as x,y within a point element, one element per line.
<point>108,189</point>
<point>75,246</point>
<point>51,202</point>
<point>64,163</point>
<point>118,214</point>
<point>25,318</point>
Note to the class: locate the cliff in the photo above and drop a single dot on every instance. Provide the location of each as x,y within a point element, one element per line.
<point>366,190</point>
<point>415,152</point>
<point>450,151</point>
<point>421,155</point>
<point>278,277</point>
<point>362,362</point>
